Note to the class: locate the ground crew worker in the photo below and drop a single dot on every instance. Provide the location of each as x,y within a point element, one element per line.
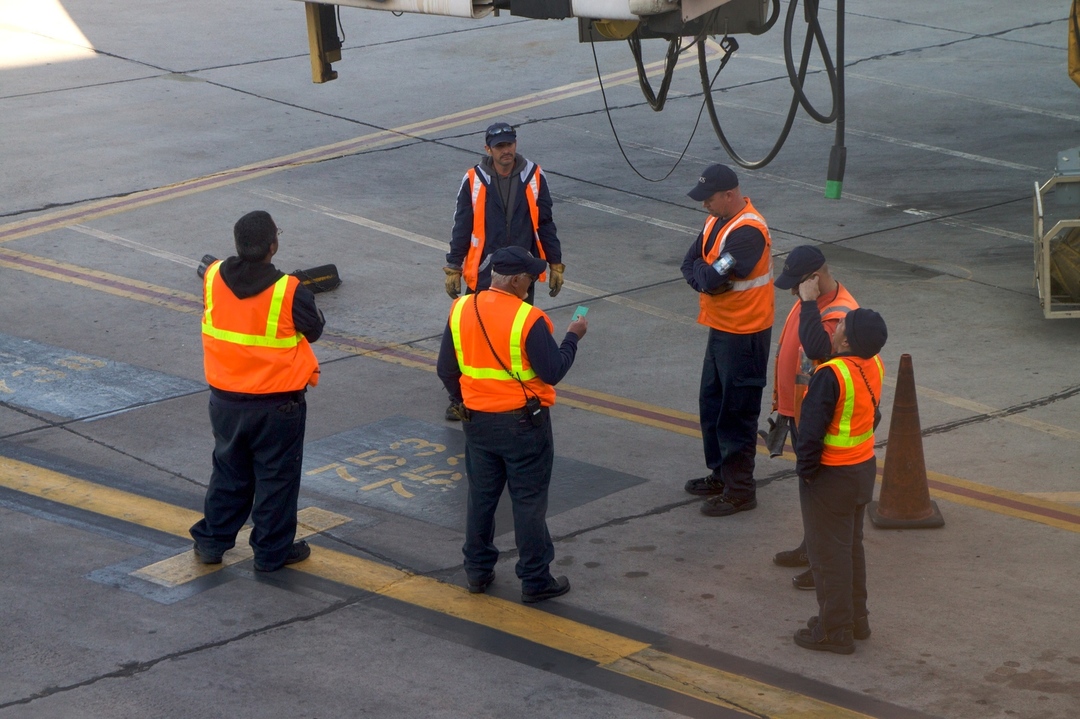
<point>257,326</point>
<point>503,202</point>
<point>805,341</point>
<point>730,265</point>
<point>499,362</point>
<point>836,467</point>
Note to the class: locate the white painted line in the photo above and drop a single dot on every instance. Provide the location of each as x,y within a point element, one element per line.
<point>133,245</point>
<point>675,227</point>
<point>429,242</point>
<point>967,224</point>
<point>354,219</point>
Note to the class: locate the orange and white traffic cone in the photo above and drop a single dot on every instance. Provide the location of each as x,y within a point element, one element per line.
<point>904,501</point>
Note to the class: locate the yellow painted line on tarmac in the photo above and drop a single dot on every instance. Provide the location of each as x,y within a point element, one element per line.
<point>184,568</point>
<point>100,281</point>
<point>114,205</point>
<point>106,501</point>
<point>613,652</point>
<point>951,488</point>
<point>1002,501</point>
<point>1067,497</point>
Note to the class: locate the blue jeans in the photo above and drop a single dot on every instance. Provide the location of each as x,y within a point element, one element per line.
<point>729,402</point>
<point>506,450</point>
<point>258,453</point>
<point>833,505</point>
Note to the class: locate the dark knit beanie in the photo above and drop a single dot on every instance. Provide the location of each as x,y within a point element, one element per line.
<point>866,332</point>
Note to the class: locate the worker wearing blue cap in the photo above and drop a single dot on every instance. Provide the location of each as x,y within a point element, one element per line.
<point>730,266</point>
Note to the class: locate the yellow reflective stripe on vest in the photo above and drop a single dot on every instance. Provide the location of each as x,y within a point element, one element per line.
<point>844,438</point>
<point>269,338</point>
<point>517,368</point>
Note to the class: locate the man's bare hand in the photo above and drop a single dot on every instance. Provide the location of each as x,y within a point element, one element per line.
<point>810,289</point>
<point>579,327</point>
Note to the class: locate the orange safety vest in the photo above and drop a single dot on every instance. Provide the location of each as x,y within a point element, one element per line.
<point>850,436</point>
<point>251,345</point>
<point>478,182</point>
<point>838,308</point>
<point>485,385</point>
<point>748,306</point>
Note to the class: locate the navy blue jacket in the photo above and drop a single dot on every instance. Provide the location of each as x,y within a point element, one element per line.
<point>498,235</point>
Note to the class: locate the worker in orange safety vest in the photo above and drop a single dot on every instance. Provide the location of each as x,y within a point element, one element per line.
<point>805,341</point>
<point>499,362</point>
<point>730,266</point>
<point>836,466</point>
<point>257,327</point>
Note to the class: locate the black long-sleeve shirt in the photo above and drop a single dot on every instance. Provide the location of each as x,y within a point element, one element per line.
<point>549,360</point>
<point>815,341</point>
<point>745,245</point>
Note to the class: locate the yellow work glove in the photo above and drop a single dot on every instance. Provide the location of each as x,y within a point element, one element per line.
<point>453,281</point>
<point>555,281</point>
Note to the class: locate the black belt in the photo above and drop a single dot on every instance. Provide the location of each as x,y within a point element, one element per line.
<point>516,413</point>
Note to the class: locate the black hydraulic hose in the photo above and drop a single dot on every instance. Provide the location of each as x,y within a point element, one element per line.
<point>796,77</point>
<point>772,18</point>
<point>706,86</point>
<point>618,142</point>
<point>656,101</point>
<point>813,32</point>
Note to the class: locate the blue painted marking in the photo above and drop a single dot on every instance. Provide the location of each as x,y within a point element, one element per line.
<point>68,384</point>
<point>417,469</point>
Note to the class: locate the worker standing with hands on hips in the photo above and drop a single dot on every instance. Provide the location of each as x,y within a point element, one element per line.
<point>836,466</point>
<point>805,341</point>
<point>257,327</point>
<point>499,362</point>
<point>730,265</point>
<point>503,202</point>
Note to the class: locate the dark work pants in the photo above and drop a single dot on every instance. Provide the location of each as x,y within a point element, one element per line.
<point>506,450</point>
<point>833,505</point>
<point>257,457</point>
<point>729,403</point>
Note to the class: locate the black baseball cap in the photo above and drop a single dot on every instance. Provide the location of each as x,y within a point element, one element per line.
<point>499,133</point>
<point>800,262</point>
<point>515,261</point>
<point>715,178</point>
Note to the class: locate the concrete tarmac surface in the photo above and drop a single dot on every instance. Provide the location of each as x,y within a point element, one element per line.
<point>133,136</point>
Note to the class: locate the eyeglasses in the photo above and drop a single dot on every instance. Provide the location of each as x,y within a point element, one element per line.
<point>279,231</point>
